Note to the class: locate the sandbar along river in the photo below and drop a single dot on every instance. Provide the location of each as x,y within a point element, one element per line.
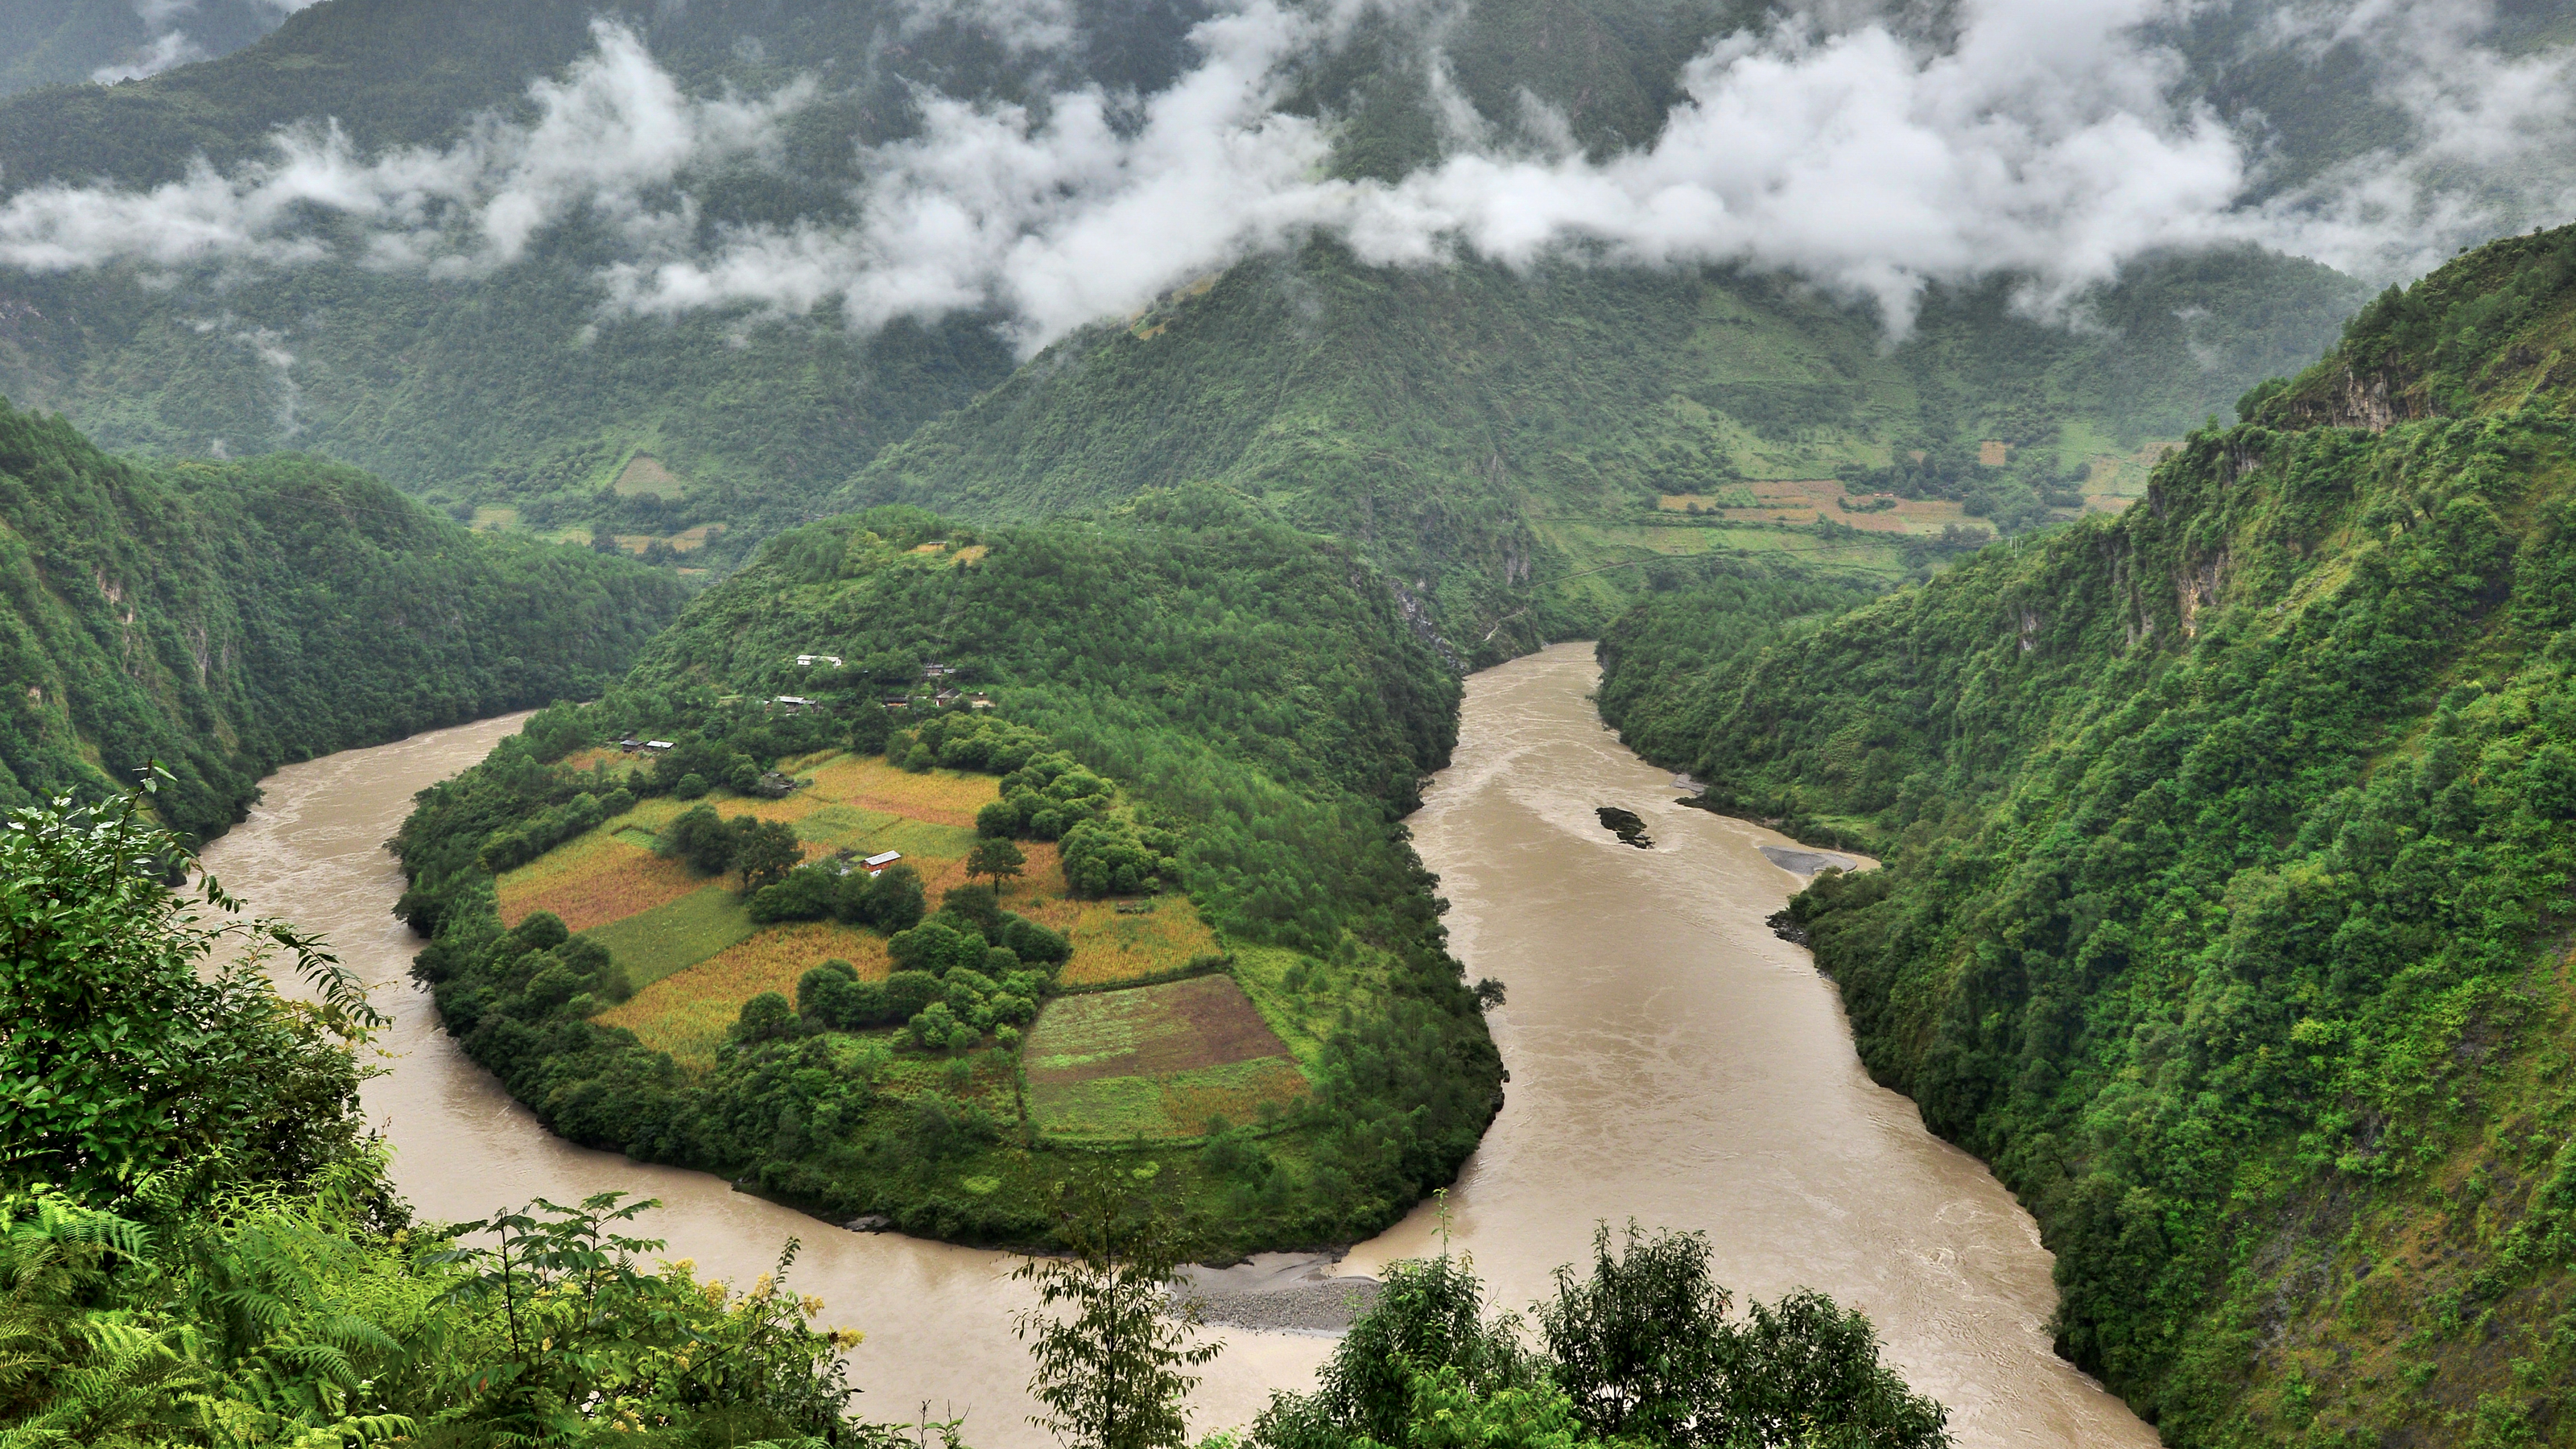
<point>1671,1061</point>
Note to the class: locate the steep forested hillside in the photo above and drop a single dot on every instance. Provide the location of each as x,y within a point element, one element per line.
<point>223,618</point>
<point>1501,419</point>
<point>2227,854</point>
<point>1473,428</point>
<point>1204,726</point>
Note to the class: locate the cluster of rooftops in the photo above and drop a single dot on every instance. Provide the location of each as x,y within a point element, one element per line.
<point>946,697</point>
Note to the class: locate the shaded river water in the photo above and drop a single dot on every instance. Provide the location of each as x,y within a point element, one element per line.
<point>1671,1061</point>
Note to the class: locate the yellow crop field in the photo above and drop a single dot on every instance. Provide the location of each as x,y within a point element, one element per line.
<point>790,808</point>
<point>1107,946</point>
<point>591,881</point>
<point>687,1013</point>
<point>1110,947</point>
<point>583,855</point>
<point>651,814</point>
<point>838,825</point>
<point>943,797</point>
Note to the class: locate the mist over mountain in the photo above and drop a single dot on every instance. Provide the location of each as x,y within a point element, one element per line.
<point>758,245</point>
<point>103,42</point>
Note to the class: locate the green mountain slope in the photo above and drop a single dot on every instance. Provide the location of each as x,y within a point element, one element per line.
<point>223,619</point>
<point>2227,846</point>
<point>1484,433</point>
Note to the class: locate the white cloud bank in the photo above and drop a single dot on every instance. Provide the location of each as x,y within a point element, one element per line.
<point>2044,140</point>
<point>608,136</point>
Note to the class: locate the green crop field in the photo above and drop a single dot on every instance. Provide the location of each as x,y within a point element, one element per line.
<point>653,944</point>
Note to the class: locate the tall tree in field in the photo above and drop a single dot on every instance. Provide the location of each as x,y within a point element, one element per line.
<point>996,857</point>
<point>1110,1356</point>
<point>764,851</point>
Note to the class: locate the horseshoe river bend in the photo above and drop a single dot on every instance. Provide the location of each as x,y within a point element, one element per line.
<point>1671,1062</point>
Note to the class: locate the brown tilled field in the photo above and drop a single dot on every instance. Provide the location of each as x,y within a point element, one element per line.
<point>1156,1060</point>
<point>593,881</point>
<point>1205,1021</point>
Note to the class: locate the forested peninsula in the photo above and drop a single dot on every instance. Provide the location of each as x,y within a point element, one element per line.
<point>784,904</point>
<point>2227,845</point>
<point>223,618</point>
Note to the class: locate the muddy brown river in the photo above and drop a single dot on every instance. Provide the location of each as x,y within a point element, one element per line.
<point>1671,1062</point>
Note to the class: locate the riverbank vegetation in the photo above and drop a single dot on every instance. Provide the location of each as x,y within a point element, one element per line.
<point>225,618</point>
<point>2227,846</point>
<point>200,1247</point>
<point>1218,962</point>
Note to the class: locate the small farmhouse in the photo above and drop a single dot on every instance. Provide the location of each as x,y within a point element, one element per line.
<point>979,701</point>
<point>937,671</point>
<point>808,661</point>
<point>876,864</point>
<point>797,703</point>
<point>657,745</point>
<point>897,701</point>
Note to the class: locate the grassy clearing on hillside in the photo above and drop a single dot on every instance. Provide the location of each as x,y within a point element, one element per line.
<point>668,938</point>
<point>594,880</point>
<point>687,1012</point>
<point>1155,1061</point>
<point>644,474</point>
<point>1299,1016</point>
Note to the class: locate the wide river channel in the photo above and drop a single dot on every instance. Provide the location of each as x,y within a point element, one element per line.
<point>1671,1060</point>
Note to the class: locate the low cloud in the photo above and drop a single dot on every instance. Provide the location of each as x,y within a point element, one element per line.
<point>160,53</point>
<point>610,136</point>
<point>2046,139</point>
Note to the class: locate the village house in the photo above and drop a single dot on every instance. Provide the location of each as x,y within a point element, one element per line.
<point>897,701</point>
<point>808,661</point>
<point>657,746</point>
<point>979,701</point>
<point>936,671</point>
<point>797,703</point>
<point>875,865</point>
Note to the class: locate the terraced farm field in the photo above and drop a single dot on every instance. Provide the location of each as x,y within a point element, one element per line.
<point>1155,1061</point>
<point>596,879</point>
<point>686,1013</point>
<point>673,937</point>
<point>694,956</point>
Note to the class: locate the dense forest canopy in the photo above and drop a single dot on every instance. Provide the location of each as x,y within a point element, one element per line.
<point>2226,845</point>
<point>226,618</point>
